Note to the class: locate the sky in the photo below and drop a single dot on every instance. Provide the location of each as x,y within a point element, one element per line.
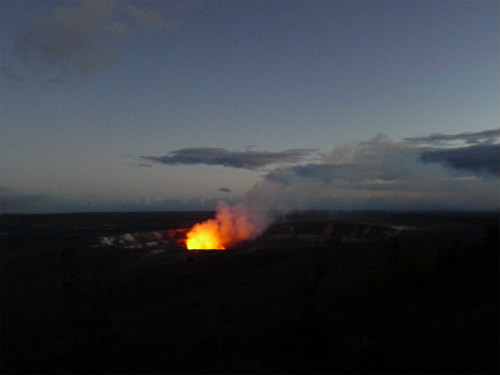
<point>173,105</point>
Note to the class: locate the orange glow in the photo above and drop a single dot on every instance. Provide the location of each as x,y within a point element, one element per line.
<point>204,236</point>
<point>232,224</point>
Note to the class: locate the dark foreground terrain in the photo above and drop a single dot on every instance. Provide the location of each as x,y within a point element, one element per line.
<point>373,292</point>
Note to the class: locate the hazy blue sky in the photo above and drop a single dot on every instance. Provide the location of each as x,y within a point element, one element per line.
<point>118,105</point>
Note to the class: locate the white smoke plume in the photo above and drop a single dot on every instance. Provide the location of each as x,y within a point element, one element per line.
<point>378,174</point>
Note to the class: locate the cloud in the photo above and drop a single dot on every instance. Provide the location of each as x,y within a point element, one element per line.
<point>378,173</point>
<point>375,174</point>
<point>384,174</point>
<point>481,158</point>
<point>225,189</point>
<point>483,137</point>
<point>237,159</point>
<point>79,37</point>
<point>17,202</point>
<point>13,201</point>
<point>377,159</point>
<point>69,40</point>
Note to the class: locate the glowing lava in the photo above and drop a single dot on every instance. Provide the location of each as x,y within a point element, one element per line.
<point>232,224</point>
<point>204,236</point>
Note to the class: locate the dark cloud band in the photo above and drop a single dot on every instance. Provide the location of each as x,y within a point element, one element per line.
<point>478,158</point>
<point>483,137</point>
<point>235,159</point>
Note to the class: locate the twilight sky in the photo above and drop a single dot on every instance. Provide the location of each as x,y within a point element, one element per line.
<point>170,105</point>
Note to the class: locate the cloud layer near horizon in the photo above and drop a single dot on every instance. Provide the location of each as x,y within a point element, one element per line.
<point>13,201</point>
<point>429,172</point>
<point>376,174</point>
<point>384,174</point>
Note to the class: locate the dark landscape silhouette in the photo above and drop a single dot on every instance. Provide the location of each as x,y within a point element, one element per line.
<point>317,292</point>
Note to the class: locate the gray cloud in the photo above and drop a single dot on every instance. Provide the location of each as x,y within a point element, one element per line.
<point>237,159</point>
<point>79,37</point>
<point>375,174</point>
<point>13,201</point>
<point>378,160</point>
<point>385,174</point>
<point>483,137</point>
<point>479,158</point>
<point>378,173</point>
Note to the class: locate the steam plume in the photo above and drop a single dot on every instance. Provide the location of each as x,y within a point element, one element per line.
<point>375,174</point>
<point>232,224</point>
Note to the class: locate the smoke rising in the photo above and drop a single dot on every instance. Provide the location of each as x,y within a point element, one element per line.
<point>232,224</point>
<point>377,174</point>
<point>383,174</point>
